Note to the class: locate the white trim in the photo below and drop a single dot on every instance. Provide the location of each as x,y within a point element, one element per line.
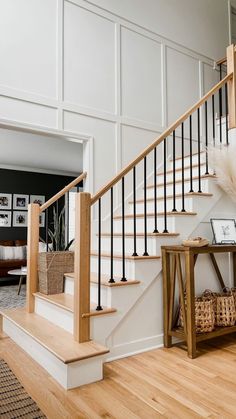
<point>135,347</point>
<point>38,170</point>
<point>88,148</point>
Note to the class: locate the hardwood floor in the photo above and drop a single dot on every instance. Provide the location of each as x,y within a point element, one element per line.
<point>160,383</point>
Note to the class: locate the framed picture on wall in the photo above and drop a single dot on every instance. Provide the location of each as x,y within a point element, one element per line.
<point>224,230</point>
<point>5,201</point>
<point>5,218</point>
<point>20,218</point>
<point>20,202</point>
<point>42,220</point>
<point>37,199</point>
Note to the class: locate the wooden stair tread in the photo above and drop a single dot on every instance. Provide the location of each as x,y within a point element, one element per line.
<point>66,301</point>
<point>55,339</point>
<point>179,195</point>
<point>105,279</point>
<point>179,169</point>
<point>119,256</point>
<point>170,182</point>
<point>141,235</point>
<point>94,312</point>
<point>159,214</point>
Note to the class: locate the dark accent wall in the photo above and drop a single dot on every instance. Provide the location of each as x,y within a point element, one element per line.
<point>29,183</point>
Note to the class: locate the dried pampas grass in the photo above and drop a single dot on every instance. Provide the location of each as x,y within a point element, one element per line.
<point>223,160</point>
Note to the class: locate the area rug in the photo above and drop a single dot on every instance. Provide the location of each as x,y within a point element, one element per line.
<point>14,401</point>
<point>9,297</point>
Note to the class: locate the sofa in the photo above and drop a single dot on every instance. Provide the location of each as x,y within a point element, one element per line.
<point>8,264</point>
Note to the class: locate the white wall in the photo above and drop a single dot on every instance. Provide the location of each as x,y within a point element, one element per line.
<point>75,66</point>
<point>191,23</point>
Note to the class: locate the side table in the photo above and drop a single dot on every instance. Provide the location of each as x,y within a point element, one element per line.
<point>172,269</point>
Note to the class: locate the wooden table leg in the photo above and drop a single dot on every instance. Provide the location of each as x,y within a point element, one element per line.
<point>166,297</point>
<point>190,291</point>
<point>20,283</point>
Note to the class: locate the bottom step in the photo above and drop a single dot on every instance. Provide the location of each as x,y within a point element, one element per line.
<point>72,364</point>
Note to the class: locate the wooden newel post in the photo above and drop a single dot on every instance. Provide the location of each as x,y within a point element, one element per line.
<point>82,267</point>
<point>231,68</point>
<point>32,255</point>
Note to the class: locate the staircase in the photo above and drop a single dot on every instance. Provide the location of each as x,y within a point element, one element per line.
<point>111,306</point>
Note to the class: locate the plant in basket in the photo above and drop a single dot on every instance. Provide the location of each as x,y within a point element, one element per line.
<point>54,264</point>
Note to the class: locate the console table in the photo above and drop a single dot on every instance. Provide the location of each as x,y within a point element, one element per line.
<point>172,269</point>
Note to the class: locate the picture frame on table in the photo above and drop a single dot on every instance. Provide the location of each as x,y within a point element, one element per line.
<point>5,201</point>
<point>20,219</point>
<point>20,202</point>
<point>224,230</point>
<point>37,199</point>
<point>5,218</point>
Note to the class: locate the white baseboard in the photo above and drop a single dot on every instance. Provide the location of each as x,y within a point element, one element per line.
<point>135,347</point>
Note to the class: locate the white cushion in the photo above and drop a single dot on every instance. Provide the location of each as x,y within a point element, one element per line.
<point>12,252</point>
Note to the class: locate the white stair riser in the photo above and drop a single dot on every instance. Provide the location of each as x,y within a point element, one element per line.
<point>153,244</point>
<point>108,294</point>
<point>129,224</point>
<point>178,162</point>
<point>178,188</point>
<point>55,314</point>
<point>67,375</point>
<point>178,174</point>
<point>188,204</point>
<point>133,268</point>
<point>69,289</point>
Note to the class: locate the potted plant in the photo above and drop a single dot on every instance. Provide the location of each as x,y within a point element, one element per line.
<point>52,265</point>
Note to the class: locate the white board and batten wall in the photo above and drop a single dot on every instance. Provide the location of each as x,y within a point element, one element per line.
<point>119,71</point>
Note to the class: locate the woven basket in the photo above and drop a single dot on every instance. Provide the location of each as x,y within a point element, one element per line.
<point>51,269</point>
<point>224,306</point>
<point>204,315</point>
<point>225,309</point>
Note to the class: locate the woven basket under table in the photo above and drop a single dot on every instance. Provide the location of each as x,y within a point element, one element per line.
<point>224,306</point>
<point>204,315</point>
<point>51,269</point>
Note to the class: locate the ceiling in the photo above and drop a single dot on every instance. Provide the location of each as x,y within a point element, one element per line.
<point>26,151</point>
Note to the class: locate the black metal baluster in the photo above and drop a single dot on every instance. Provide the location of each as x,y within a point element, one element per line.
<point>174,186</point>
<point>199,150</point>
<point>99,307</point>
<point>220,113</point>
<point>46,228</point>
<point>111,280</point>
<point>226,114</point>
<point>123,279</point>
<point>182,151</point>
<point>213,121</point>
<point>206,138</point>
<point>155,191</point>
<point>191,152</point>
<point>134,211</point>
<point>213,125</point>
<point>165,210</point>
<point>145,205</point>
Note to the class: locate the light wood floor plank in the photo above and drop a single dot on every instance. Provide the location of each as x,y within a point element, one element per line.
<point>162,383</point>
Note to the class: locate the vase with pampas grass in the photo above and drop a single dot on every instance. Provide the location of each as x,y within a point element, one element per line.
<point>223,160</point>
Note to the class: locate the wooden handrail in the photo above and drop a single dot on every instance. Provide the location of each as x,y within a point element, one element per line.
<point>63,191</point>
<point>164,135</point>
